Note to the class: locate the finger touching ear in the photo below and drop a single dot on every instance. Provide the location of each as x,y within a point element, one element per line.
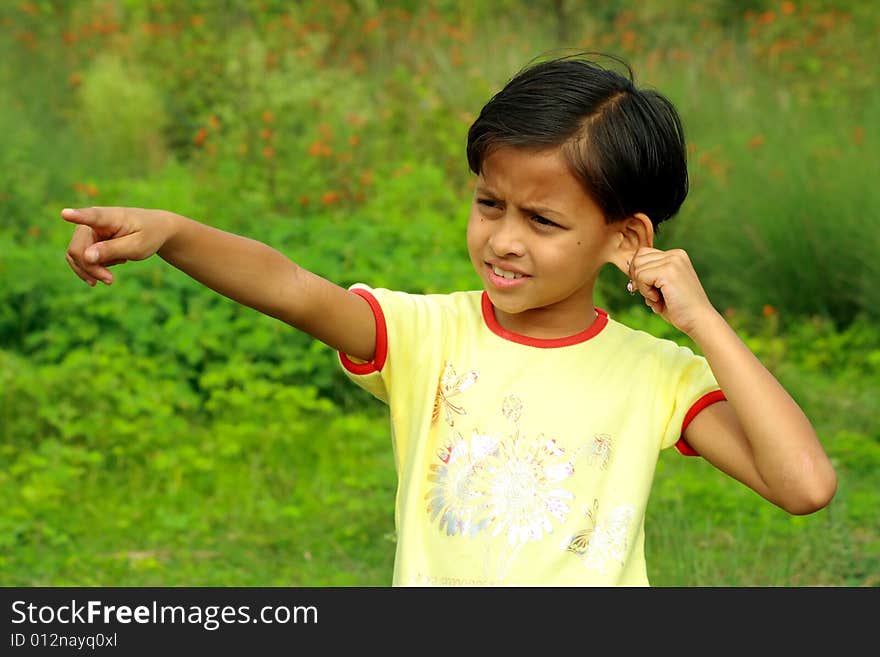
<point>634,233</point>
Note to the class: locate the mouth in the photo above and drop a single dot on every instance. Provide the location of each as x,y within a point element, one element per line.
<point>505,273</point>
<point>504,278</point>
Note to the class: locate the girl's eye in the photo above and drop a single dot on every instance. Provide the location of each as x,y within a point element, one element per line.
<point>487,202</point>
<point>543,221</point>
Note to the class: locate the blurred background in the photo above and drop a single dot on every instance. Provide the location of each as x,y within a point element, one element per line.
<point>155,433</point>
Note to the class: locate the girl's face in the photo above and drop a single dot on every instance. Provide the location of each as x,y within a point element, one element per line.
<point>538,241</point>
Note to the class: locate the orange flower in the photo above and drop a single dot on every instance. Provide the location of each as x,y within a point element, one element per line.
<point>213,121</point>
<point>357,63</point>
<point>780,46</point>
<point>74,80</point>
<point>110,28</point>
<point>304,201</point>
<point>371,25</point>
<point>330,197</point>
<point>197,20</point>
<point>403,170</point>
<point>268,116</point>
<point>268,152</point>
<point>624,18</point>
<point>354,140</point>
<point>858,135</point>
<point>266,134</point>
<point>787,8</point>
<point>27,39</point>
<point>200,136</point>
<point>319,149</point>
<point>757,141</point>
<point>85,188</point>
<point>151,29</point>
<point>768,310</point>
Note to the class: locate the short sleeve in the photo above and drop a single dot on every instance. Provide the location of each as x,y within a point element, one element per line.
<point>694,388</point>
<point>410,331</point>
<point>368,374</point>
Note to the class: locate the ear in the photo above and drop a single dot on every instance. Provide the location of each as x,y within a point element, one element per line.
<point>631,234</point>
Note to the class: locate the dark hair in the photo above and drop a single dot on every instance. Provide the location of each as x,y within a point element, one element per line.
<point>625,144</point>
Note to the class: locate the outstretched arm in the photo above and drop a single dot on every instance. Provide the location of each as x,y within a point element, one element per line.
<point>237,267</point>
<point>760,436</point>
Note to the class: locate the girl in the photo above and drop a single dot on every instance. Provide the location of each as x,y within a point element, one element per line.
<point>526,422</point>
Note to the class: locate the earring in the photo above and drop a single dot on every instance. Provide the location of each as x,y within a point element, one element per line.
<point>630,286</point>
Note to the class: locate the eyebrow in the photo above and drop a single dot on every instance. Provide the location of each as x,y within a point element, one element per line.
<point>531,209</point>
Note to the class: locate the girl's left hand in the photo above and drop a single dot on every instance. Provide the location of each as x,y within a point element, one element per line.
<point>670,286</point>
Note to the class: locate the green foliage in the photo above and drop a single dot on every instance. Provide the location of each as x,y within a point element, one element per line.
<point>796,236</point>
<point>155,433</point>
<point>125,135</point>
<point>126,460</point>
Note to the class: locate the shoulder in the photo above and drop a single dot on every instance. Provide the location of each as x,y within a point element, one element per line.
<point>413,316</point>
<point>643,342</point>
<point>461,301</point>
<point>654,358</point>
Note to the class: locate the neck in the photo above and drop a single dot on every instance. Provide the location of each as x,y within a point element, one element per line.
<point>546,323</point>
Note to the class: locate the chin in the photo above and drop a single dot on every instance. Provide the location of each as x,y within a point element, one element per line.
<point>504,304</point>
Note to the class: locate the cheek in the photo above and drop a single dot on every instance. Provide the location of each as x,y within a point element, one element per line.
<point>475,231</point>
<point>573,256</point>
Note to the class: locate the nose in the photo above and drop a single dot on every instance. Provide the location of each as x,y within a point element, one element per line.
<point>506,238</point>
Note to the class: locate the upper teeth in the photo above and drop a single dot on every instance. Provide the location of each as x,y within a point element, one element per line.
<point>505,274</point>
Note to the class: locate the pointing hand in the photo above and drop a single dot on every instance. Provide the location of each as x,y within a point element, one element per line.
<point>107,236</point>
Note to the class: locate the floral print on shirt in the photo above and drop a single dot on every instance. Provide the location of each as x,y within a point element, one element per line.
<point>512,486</point>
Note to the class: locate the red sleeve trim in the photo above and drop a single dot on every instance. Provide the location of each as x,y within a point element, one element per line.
<point>706,400</point>
<point>381,354</point>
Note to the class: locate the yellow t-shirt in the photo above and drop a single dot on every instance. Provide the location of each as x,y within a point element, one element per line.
<point>523,461</point>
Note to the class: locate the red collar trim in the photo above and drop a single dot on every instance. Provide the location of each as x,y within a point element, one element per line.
<point>545,343</point>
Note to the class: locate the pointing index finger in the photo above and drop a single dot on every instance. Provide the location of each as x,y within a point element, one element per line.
<point>88,216</point>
